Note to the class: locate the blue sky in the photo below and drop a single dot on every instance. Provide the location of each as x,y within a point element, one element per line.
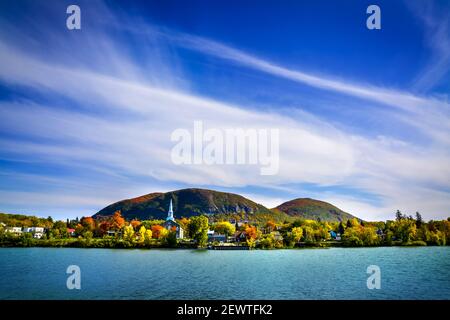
<point>86,115</point>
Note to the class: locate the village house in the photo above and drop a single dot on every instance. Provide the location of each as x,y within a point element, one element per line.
<point>113,233</point>
<point>239,236</point>
<point>214,236</point>
<point>14,230</point>
<point>277,235</point>
<point>335,236</point>
<point>37,232</point>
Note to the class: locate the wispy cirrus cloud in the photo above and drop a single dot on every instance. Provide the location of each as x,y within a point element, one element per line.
<point>436,24</point>
<point>392,97</point>
<point>429,114</point>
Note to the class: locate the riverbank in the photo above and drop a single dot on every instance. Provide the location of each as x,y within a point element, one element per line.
<point>112,243</point>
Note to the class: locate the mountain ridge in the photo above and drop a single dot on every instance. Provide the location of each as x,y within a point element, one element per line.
<point>196,201</point>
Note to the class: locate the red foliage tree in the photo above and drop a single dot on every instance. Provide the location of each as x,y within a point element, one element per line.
<point>104,227</point>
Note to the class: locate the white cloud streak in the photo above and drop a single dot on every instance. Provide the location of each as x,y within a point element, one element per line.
<point>396,98</point>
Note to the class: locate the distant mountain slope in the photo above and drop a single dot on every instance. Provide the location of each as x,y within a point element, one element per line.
<point>307,208</point>
<point>21,220</point>
<point>186,203</point>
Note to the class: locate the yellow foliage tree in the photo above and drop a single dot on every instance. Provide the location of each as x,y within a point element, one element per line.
<point>148,237</point>
<point>297,233</point>
<point>141,234</point>
<point>128,233</point>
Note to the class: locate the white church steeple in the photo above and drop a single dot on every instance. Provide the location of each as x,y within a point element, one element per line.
<point>170,213</point>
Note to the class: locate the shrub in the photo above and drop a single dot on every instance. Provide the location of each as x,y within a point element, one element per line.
<point>416,243</point>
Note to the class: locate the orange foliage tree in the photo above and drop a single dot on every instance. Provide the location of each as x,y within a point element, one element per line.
<point>156,231</point>
<point>270,225</point>
<point>251,232</point>
<point>135,224</point>
<point>88,223</point>
<point>117,220</point>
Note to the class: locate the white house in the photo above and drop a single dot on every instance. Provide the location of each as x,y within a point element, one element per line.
<point>113,233</point>
<point>33,229</point>
<point>15,230</point>
<point>214,236</point>
<point>37,232</point>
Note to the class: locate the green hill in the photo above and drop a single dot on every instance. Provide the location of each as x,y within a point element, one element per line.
<point>307,208</point>
<point>186,203</point>
<point>220,205</point>
<point>21,220</point>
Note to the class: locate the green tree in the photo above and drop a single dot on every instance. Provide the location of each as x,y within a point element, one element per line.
<point>198,229</point>
<point>224,227</point>
<point>419,219</point>
<point>352,237</point>
<point>437,238</point>
<point>361,236</point>
<point>388,239</point>
<point>26,240</point>
<point>171,239</point>
<point>298,223</point>
<point>341,228</point>
<point>88,235</point>
<point>369,236</point>
<point>405,230</point>
<point>59,230</point>
<point>267,241</point>
<point>398,215</point>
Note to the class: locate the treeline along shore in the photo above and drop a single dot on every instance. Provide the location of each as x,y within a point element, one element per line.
<point>201,232</point>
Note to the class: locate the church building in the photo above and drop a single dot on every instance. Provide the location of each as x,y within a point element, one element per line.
<point>171,224</point>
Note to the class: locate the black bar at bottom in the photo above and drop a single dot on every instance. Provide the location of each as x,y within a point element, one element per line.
<point>226,309</point>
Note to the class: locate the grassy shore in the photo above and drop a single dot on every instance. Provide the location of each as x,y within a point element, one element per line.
<point>111,243</point>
